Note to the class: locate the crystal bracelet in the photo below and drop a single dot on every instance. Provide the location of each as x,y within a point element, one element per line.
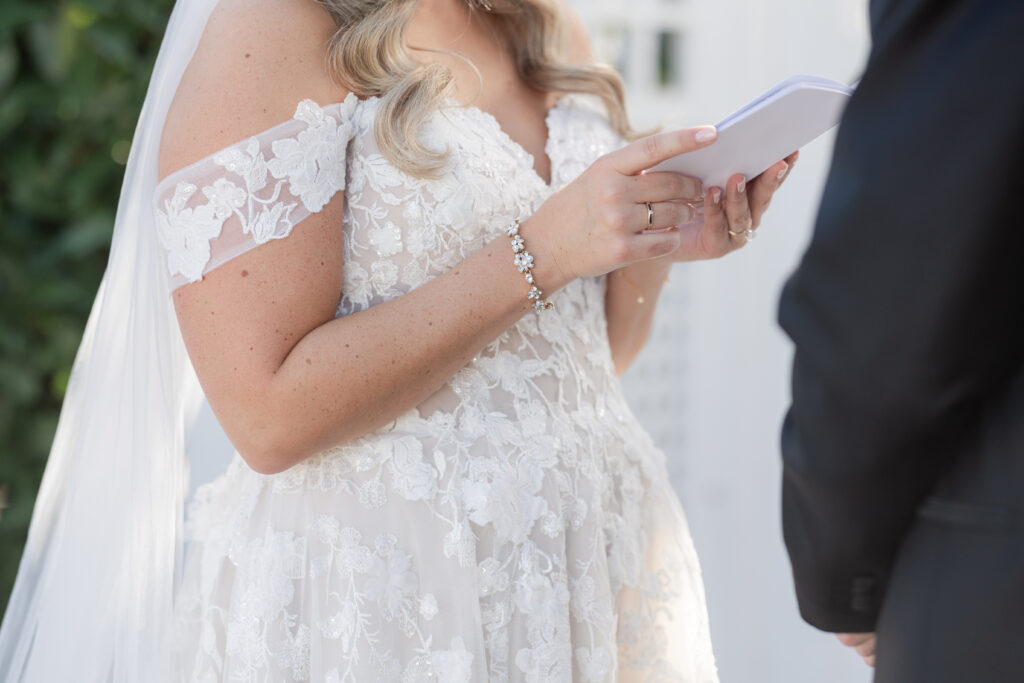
<point>524,263</point>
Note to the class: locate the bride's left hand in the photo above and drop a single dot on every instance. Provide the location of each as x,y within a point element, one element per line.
<point>731,215</point>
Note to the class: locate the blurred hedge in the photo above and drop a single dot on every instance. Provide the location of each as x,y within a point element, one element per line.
<point>72,79</point>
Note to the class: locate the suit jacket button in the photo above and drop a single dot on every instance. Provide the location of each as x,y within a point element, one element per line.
<point>862,594</point>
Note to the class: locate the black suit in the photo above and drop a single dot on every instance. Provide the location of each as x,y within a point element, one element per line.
<point>903,492</point>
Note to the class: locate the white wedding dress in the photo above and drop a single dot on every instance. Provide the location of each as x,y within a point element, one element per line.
<point>518,525</point>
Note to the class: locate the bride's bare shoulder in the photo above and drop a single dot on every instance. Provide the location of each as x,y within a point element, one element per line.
<point>256,60</point>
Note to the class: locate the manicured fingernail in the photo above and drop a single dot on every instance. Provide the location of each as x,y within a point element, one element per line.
<point>742,186</point>
<point>716,196</point>
<point>783,172</point>
<point>706,134</point>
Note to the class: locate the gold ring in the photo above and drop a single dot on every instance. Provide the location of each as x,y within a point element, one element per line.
<point>747,235</point>
<point>650,215</point>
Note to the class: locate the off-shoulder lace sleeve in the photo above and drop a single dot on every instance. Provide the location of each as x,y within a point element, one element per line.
<point>254,191</point>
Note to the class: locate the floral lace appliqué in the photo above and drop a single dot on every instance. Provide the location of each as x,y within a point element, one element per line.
<point>516,526</point>
<point>268,184</point>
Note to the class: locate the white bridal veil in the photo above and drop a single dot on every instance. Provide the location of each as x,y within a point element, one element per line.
<point>94,593</point>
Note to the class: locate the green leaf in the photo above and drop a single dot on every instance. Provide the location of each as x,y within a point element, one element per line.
<point>80,15</point>
<point>113,46</point>
<point>18,381</point>
<point>9,62</point>
<point>14,15</point>
<point>41,432</point>
<point>86,236</point>
<point>46,50</point>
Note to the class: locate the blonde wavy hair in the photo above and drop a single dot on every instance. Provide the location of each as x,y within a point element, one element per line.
<point>369,55</point>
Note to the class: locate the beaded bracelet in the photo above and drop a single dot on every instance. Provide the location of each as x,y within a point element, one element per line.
<point>524,263</point>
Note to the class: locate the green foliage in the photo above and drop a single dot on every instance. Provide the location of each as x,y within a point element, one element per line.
<point>73,74</point>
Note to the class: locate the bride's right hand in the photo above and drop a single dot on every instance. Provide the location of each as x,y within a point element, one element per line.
<point>599,221</point>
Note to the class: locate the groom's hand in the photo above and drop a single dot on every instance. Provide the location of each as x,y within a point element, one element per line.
<point>863,643</point>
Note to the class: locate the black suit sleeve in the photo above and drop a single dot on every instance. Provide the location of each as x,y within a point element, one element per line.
<point>906,310</point>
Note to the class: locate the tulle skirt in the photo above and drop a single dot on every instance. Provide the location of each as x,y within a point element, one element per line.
<point>398,559</point>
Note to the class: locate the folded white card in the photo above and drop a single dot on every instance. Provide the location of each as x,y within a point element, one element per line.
<point>767,130</point>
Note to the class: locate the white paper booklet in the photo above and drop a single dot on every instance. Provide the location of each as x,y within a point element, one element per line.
<point>767,130</point>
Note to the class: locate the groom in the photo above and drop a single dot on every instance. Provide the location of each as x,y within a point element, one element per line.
<point>903,492</point>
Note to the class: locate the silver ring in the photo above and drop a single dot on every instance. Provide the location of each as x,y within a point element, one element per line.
<point>650,215</point>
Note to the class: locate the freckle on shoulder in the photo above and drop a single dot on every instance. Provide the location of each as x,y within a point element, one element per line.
<point>255,61</point>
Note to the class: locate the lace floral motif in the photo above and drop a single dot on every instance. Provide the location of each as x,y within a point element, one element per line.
<point>308,168</point>
<point>515,526</point>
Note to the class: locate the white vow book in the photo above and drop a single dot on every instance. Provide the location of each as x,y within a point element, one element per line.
<point>773,126</point>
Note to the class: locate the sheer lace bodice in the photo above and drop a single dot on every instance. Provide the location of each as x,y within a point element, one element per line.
<point>516,525</point>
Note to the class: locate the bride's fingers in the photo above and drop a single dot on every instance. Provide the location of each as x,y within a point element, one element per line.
<point>648,152</point>
<point>665,215</point>
<point>654,244</point>
<point>737,206</point>
<point>714,236</point>
<point>763,188</point>
<point>662,186</point>
<point>790,162</point>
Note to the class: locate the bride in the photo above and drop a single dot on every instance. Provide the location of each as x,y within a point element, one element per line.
<point>408,247</point>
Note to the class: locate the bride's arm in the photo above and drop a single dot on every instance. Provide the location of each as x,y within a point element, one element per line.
<point>287,379</point>
<point>629,305</point>
<point>284,377</point>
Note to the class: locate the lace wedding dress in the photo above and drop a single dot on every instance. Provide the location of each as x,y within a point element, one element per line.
<point>516,526</point>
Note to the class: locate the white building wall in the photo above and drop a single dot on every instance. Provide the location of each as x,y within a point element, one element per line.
<point>712,385</point>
